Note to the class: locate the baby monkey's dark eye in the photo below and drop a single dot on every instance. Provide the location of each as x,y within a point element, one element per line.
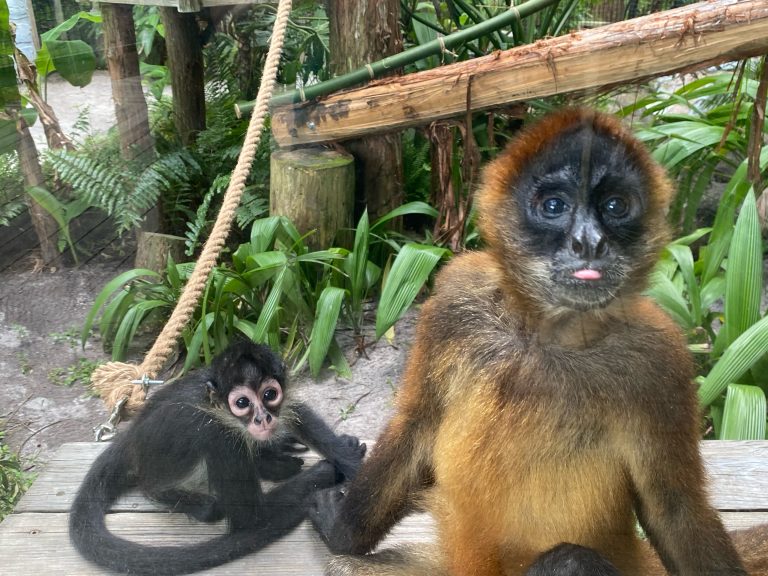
<point>553,207</point>
<point>270,395</point>
<point>242,402</point>
<point>616,207</point>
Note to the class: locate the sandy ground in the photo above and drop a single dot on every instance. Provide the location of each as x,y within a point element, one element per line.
<point>42,313</point>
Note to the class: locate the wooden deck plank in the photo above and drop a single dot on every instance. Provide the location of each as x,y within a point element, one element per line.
<point>738,472</point>
<point>38,527</point>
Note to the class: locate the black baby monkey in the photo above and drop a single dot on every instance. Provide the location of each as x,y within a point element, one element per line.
<point>232,422</point>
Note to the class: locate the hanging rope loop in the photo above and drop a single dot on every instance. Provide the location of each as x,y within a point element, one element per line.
<point>113,381</point>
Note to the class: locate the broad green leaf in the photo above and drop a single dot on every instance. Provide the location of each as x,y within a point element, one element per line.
<point>200,333</point>
<point>68,24</point>
<point>684,258</point>
<point>73,59</point>
<point>668,297</point>
<point>404,210</point>
<point>9,138</point>
<point>744,275</point>
<point>409,272</point>
<point>743,414</point>
<point>338,360</point>
<point>130,323</point>
<point>270,309</point>
<point>263,233</point>
<point>108,290</point>
<point>49,203</point>
<point>326,316</point>
<point>739,357</point>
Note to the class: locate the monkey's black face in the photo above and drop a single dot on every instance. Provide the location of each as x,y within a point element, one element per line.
<point>582,205</point>
<point>249,380</point>
<point>257,407</point>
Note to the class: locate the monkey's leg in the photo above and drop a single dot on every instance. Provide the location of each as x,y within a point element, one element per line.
<point>202,507</point>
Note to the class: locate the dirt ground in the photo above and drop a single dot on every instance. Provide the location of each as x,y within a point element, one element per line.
<point>43,311</point>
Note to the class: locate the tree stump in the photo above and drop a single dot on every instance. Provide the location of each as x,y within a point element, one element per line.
<point>153,250</point>
<point>315,188</point>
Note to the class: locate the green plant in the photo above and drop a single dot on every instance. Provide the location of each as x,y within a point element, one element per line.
<point>63,212</point>
<point>275,290</point>
<point>731,342</point>
<point>70,375</point>
<point>699,132</point>
<point>14,481</point>
<point>25,364</point>
<point>11,188</point>
<point>73,59</point>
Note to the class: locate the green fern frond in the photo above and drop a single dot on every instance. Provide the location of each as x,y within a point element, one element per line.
<point>199,226</point>
<point>105,187</point>
<point>252,207</point>
<point>10,210</point>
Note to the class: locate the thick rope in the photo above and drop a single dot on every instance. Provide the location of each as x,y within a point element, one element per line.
<point>113,380</point>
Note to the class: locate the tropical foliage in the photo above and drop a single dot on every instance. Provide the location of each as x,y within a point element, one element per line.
<point>278,291</point>
<point>711,280</point>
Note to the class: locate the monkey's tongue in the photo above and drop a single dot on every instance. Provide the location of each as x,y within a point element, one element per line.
<point>587,274</point>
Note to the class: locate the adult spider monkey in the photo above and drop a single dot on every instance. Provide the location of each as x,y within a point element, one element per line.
<point>546,400</point>
<point>230,420</point>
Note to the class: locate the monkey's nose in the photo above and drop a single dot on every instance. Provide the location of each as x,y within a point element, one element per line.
<point>259,418</point>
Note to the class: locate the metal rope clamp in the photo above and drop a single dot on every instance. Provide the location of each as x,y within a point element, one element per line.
<point>107,431</point>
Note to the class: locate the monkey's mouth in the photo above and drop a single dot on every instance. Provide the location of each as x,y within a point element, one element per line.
<point>586,288</point>
<point>262,430</point>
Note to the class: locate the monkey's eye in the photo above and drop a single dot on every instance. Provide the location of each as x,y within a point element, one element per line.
<point>270,395</point>
<point>242,402</point>
<point>616,207</point>
<point>553,207</point>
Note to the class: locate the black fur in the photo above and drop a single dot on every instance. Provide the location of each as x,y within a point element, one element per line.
<point>571,560</point>
<point>186,424</point>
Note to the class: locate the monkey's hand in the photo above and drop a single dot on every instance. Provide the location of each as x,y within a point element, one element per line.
<point>324,509</point>
<point>348,456</point>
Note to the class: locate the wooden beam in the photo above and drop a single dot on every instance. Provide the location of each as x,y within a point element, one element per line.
<point>694,36</point>
<point>187,5</point>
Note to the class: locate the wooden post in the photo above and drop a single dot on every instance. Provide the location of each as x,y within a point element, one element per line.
<point>361,32</point>
<point>153,250</point>
<point>123,62</point>
<point>130,106</point>
<point>185,60</point>
<point>45,226</point>
<point>315,188</point>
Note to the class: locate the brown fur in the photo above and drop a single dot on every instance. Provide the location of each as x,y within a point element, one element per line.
<point>533,424</point>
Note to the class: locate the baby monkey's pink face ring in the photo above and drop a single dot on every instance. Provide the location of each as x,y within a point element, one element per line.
<point>257,408</point>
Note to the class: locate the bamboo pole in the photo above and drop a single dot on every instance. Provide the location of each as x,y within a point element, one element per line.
<point>693,36</point>
<point>386,65</point>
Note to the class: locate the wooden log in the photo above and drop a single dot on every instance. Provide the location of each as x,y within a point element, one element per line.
<point>315,188</point>
<point>362,32</point>
<point>690,37</point>
<point>185,61</point>
<point>123,63</point>
<point>154,249</point>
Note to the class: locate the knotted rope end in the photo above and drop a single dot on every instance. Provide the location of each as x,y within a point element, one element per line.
<point>114,381</point>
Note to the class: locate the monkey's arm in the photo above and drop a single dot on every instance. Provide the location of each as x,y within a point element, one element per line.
<point>387,485</point>
<point>344,452</point>
<point>672,507</point>
<point>668,477</point>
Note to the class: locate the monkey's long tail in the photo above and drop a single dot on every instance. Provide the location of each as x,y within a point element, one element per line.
<point>89,534</point>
